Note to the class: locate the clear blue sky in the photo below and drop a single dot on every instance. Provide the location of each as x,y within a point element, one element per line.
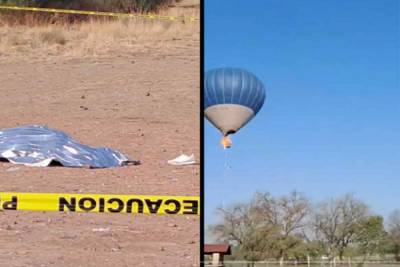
<point>331,122</point>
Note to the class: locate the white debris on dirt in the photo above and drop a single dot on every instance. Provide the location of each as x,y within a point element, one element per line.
<point>183,160</point>
<point>101,229</point>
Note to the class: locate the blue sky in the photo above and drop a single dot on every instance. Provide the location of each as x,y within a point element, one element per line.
<point>331,122</point>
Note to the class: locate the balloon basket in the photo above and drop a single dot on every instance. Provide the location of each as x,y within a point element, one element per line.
<point>226,142</point>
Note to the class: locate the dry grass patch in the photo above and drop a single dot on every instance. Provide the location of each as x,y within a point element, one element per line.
<point>95,37</point>
<point>53,36</point>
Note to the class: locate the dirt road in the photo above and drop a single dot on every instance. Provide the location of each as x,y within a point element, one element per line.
<point>142,100</point>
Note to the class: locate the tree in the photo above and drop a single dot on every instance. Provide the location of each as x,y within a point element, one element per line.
<point>371,235</point>
<point>287,215</point>
<point>241,226</point>
<point>267,227</point>
<point>287,212</point>
<point>337,223</point>
<point>270,227</point>
<point>394,232</point>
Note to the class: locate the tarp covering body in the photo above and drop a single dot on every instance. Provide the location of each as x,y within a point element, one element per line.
<point>37,145</point>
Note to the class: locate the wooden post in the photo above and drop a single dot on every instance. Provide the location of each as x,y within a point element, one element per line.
<point>215,259</point>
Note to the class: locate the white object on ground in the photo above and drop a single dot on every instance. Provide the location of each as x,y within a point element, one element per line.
<point>183,160</point>
<point>101,229</point>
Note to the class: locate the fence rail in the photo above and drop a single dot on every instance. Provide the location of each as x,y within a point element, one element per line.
<point>321,263</point>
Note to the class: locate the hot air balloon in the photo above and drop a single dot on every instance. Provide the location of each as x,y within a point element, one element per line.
<point>233,97</point>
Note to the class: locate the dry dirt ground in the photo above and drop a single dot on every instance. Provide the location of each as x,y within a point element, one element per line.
<point>139,97</point>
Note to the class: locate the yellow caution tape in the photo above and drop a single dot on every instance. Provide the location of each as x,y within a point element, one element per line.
<point>135,204</point>
<point>98,13</point>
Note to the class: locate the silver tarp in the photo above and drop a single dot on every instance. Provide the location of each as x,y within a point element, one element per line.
<point>37,145</point>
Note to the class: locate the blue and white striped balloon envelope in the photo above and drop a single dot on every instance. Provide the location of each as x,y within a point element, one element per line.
<point>232,98</point>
